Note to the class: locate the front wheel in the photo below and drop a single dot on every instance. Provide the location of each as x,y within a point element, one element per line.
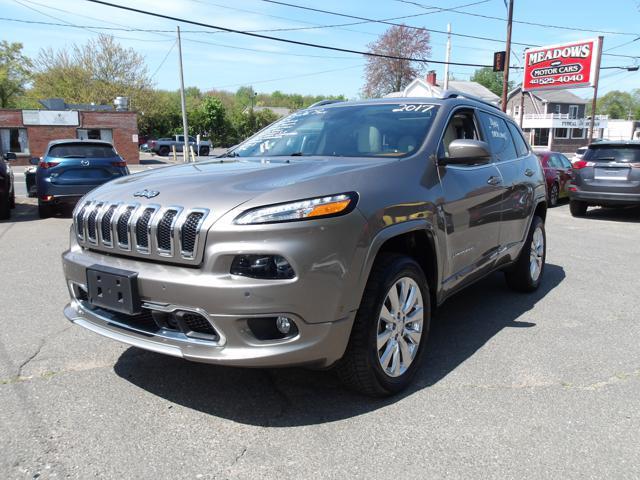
<point>204,152</point>
<point>390,330</point>
<point>526,274</point>
<point>163,151</point>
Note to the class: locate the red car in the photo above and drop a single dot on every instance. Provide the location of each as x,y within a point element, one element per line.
<point>557,171</point>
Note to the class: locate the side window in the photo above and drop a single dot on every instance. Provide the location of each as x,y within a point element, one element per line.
<point>499,137</point>
<point>181,138</point>
<point>565,162</point>
<point>521,146</point>
<point>461,126</point>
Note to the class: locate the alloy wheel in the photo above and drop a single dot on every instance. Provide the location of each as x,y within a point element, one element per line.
<point>400,326</point>
<point>536,257</point>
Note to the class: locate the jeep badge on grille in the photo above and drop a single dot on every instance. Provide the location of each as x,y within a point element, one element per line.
<point>146,193</point>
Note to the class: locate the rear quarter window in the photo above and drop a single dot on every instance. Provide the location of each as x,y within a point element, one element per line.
<point>522,148</point>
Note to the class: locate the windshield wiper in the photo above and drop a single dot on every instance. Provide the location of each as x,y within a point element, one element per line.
<point>297,154</point>
<point>229,154</point>
<point>74,156</point>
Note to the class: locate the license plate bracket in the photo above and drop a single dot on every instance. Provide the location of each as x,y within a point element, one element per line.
<point>113,288</point>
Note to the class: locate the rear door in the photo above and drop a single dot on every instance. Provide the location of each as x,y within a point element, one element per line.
<point>83,163</point>
<point>610,168</point>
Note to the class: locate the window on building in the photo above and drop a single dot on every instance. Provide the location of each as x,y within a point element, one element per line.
<point>577,133</point>
<point>561,133</point>
<point>14,140</point>
<point>573,111</point>
<point>105,134</point>
<point>558,108</point>
<point>541,136</point>
<point>516,110</point>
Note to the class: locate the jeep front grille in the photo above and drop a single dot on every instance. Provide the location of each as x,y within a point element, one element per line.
<point>149,231</point>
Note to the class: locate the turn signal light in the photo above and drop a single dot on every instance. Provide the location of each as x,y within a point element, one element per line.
<point>48,164</point>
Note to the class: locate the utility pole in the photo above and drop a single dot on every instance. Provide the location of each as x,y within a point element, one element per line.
<point>185,146</point>
<point>595,89</point>
<point>448,58</point>
<point>505,86</point>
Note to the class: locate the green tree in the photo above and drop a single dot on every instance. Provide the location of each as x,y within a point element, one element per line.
<point>15,73</point>
<point>97,71</point>
<point>619,105</point>
<point>490,79</point>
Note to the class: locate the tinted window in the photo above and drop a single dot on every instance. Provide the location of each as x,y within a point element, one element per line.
<point>82,150</point>
<point>521,145</point>
<point>374,130</point>
<point>499,137</point>
<point>564,161</point>
<point>462,126</point>
<point>607,153</point>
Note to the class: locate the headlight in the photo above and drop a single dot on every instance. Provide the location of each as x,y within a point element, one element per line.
<point>330,206</point>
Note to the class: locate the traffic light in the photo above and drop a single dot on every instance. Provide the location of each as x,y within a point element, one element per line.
<point>498,61</point>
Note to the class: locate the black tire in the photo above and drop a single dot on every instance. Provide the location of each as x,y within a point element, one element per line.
<point>520,277</point>
<point>5,207</point>
<point>45,211</point>
<point>12,199</point>
<point>360,368</point>
<point>164,151</point>
<point>578,208</point>
<point>204,152</point>
<point>554,195</point>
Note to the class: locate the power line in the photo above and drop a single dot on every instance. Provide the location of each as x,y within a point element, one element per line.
<point>278,39</point>
<point>475,37</point>
<point>535,24</point>
<point>164,60</point>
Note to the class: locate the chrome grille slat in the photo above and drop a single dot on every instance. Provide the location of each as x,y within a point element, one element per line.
<point>170,233</point>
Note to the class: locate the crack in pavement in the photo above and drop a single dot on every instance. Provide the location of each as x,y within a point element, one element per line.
<point>30,358</point>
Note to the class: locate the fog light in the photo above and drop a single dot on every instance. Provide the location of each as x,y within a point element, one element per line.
<point>283,324</point>
<point>46,198</point>
<point>269,267</point>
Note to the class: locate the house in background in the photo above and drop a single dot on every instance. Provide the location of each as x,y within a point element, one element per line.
<point>554,119</point>
<point>429,87</point>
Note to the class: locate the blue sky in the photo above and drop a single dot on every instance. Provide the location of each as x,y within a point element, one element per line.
<point>218,59</point>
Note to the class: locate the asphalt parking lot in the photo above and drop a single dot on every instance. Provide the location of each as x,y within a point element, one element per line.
<point>537,386</point>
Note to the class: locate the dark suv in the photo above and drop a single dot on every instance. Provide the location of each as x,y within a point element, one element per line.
<point>326,240</point>
<point>607,175</point>
<point>71,168</point>
<point>7,185</point>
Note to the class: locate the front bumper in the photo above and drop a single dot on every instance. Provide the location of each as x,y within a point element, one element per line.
<point>318,345</point>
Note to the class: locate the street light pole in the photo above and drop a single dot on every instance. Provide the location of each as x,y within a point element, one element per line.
<point>505,81</point>
<point>185,146</point>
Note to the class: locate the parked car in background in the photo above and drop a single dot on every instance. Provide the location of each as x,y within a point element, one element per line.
<point>579,154</point>
<point>7,187</point>
<point>30,178</point>
<point>163,146</point>
<point>333,251</point>
<point>557,172</point>
<point>70,168</point>
<point>608,175</point>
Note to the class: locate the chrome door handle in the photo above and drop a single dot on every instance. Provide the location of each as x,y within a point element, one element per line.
<point>528,172</point>
<point>493,180</point>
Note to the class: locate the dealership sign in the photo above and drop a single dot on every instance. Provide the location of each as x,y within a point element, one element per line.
<point>571,65</point>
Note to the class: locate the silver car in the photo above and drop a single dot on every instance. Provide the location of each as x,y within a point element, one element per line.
<point>325,240</point>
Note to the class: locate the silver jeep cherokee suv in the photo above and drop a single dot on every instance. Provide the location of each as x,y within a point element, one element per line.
<point>326,239</point>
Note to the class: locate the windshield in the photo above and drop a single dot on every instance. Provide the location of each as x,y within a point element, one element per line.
<point>613,153</point>
<point>377,130</point>
<point>82,150</point>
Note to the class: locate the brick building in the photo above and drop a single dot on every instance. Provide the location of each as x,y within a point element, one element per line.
<point>27,132</point>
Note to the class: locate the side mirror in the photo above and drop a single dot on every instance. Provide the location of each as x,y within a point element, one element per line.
<point>466,152</point>
<point>34,160</point>
<point>10,156</point>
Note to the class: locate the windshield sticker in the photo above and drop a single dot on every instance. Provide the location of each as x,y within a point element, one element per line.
<point>413,107</point>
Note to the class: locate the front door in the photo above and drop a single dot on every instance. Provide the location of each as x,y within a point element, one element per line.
<point>470,209</point>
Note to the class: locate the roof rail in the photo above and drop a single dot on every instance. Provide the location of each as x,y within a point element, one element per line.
<point>458,94</point>
<point>324,102</point>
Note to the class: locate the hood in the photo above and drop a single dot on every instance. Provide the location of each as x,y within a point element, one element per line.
<point>222,186</point>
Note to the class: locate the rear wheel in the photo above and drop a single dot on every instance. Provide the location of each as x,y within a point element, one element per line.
<point>45,210</point>
<point>12,199</point>
<point>577,208</point>
<point>204,152</point>
<point>163,151</point>
<point>390,330</point>
<point>554,195</point>
<point>526,273</point>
